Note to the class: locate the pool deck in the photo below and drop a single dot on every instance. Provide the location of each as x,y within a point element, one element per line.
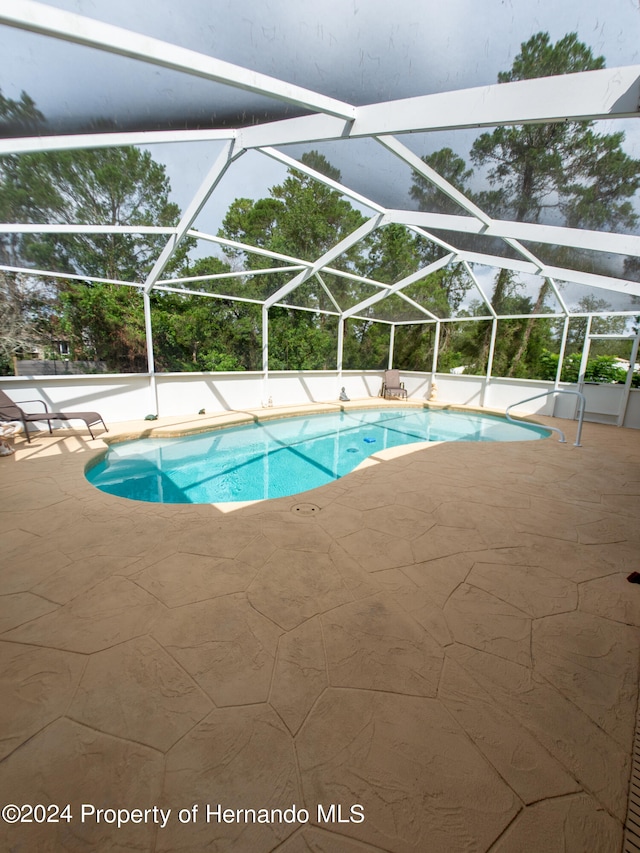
<point>445,638</point>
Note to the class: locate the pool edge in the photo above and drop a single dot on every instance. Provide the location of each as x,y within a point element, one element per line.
<point>195,425</point>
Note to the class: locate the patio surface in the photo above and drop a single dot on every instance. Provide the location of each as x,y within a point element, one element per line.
<point>444,638</point>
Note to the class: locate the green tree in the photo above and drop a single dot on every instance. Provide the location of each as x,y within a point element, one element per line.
<point>392,253</point>
<point>114,186</point>
<point>366,345</point>
<point>104,186</point>
<point>302,218</point>
<point>558,164</point>
<point>453,169</point>
<point>205,333</point>
<point>315,160</point>
<point>561,165</point>
<point>105,323</point>
<point>24,308</point>
<point>20,114</point>
<point>599,326</point>
<point>20,326</point>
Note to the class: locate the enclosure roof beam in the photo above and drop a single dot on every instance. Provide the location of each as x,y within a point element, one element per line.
<point>420,322</point>
<point>576,238</point>
<point>404,282</point>
<point>78,29</point>
<point>432,237</point>
<point>604,282</point>
<point>184,291</point>
<point>226,297</point>
<point>417,305</point>
<point>583,96</point>
<point>213,178</point>
<point>622,244</point>
<point>246,247</point>
<point>474,319</point>
<point>27,271</point>
<point>588,95</point>
<point>225,275</point>
<point>307,170</point>
<point>66,228</point>
<point>558,295</point>
<point>418,165</point>
<point>75,141</point>
<point>605,314</point>
<point>328,292</point>
<point>389,322</point>
<point>308,309</point>
<point>614,337</point>
<point>478,287</point>
<point>333,253</point>
<point>354,277</point>
<point>296,262</point>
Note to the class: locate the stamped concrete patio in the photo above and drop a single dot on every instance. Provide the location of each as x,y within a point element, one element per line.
<point>445,638</point>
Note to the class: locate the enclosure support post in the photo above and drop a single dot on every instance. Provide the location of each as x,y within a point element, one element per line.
<point>585,354</point>
<point>265,356</point>
<point>340,351</point>
<point>563,345</point>
<point>151,367</point>
<point>492,347</point>
<point>436,349</point>
<point>392,341</point>
<point>586,346</point>
<point>627,385</point>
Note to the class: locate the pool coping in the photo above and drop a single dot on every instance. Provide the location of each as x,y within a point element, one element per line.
<point>177,426</point>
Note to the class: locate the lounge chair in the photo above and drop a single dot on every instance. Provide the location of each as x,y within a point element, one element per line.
<point>392,386</point>
<point>9,411</point>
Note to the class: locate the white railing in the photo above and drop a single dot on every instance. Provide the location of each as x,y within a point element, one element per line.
<point>562,438</point>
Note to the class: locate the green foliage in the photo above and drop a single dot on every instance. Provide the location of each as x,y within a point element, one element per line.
<point>392,254</point>
<point>299,340</point>
<point>511,333</point>
<point>115,186</point>
<point>413,348</point>
<point>110,186</point>
<point>319,162</point>
<point>602,368</point>
<point>366,345</point>
<point>105,322</point>
<point>194,333</point>
<point>22,113</point>
<point>549,366</point>
<point>453,169</point>
<point>539,58</point>
<point>561,164</point>
<point>598,183</point>
<point>302,218</point>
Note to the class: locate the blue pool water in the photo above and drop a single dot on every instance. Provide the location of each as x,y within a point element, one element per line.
<point>281,457</point>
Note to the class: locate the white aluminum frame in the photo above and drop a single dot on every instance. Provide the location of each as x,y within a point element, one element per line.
<point>604,94</point>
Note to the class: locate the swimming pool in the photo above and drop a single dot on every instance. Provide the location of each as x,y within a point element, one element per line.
<point>276,458</point>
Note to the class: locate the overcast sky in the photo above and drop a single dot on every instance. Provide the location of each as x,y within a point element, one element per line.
<point>360,51</point>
